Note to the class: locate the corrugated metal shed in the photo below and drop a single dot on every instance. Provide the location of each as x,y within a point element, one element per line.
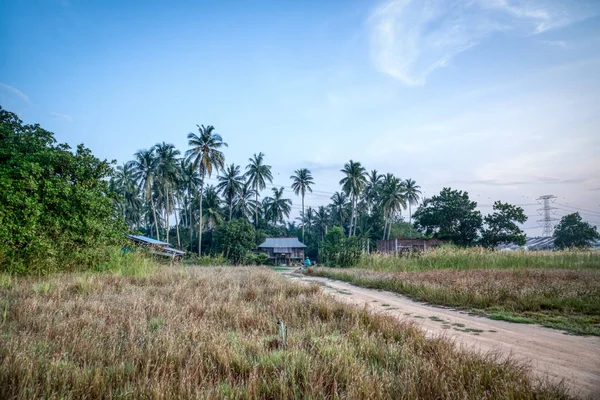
<point>148,240</point>
<point>282,243</point>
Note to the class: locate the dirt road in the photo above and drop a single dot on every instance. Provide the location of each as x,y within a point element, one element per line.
<point>551,353</point>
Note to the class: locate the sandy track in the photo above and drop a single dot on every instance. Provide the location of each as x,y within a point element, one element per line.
<point>551,353</point>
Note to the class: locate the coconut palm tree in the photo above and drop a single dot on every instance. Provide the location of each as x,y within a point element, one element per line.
<point>322,221</point>
<point>339,200</point>
<point>190,184</point>
<point>353,184</point>
<point>144,166</point>
<point>277,207</point>
<point>257,174</point>
<point>213,215</point>
<point>244,203</point>
<point>168,174</point>
<point>412,195</point>
<point>206,155</point>
<point>301,182</point>
<point>393,198</point>
<point>230,184</point>
<point>124,184</point>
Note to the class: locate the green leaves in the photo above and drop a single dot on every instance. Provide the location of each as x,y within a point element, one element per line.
<point>572,231</point>
<point>54,204</point>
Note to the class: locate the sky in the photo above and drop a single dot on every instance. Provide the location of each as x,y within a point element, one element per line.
<point>500,98</point>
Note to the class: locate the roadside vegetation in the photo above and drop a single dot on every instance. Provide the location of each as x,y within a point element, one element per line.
<point>567,299</point>
<point>459,258</point>
<point>212,332</point>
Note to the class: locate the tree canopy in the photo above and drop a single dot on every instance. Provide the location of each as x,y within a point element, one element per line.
<point>56,210</point>
<point>450,215</point>
<point>501,226</point>
<point>572,231</point>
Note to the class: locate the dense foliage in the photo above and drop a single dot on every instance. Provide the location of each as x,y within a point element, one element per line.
<point>502,226</point>
<point>337,250</point>
<point>55,206</point>
<point>235,239</point>
<point>571,231</point>
<point>450,215</point>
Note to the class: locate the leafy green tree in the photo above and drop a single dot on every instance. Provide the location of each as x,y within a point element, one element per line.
<point>450,215</point>
<point>339,202</point>
<point>234,239</point>
<point>258,173</point>
<point>337,250</point>
<point>206,155</point>
<point>301,183</point>
<point>129,203</point>
<point>144,165</point>
<point>501,226</point>
<point>572,231</point>
<point>56,209</point>
<point>412,195</point>
<point>353,184</point>
<point>230,184</point>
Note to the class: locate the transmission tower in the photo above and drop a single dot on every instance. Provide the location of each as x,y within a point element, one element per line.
<point>547,211</point>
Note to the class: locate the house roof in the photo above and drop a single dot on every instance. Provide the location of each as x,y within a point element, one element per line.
<point>279,242</point>
<point>148,240</point>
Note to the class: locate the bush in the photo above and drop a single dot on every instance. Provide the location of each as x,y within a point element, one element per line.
<point>56,211</point>
<point>339,251</point>
<point>235,239</point>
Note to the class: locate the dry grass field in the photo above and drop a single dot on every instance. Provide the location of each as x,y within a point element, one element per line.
<point>558,298</point>
<point>211,333</point>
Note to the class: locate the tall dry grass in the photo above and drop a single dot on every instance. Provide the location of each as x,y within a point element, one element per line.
<point>450,257</point>
<point>212,333</point>
<point>563,299</point>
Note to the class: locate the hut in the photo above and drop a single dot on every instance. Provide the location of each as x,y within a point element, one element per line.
<point>283,249</point>
<point>156,246</point>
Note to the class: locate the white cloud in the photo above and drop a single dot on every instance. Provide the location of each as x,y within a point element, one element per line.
<point>412,38</point>
<point>61,116</point>
<point>15,91</point>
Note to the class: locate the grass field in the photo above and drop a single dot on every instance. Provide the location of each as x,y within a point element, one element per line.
<point>449,257</point>
<point>212,333</point>
<point>566,299</point>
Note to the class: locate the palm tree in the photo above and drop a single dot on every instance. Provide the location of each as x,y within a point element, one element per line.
<point>302,179</point>
<point>168,174</point>
<point>190,182</point>
<point>322,221</point>
<point>277,207</point>
<point>258,173</point>
<point>144,165</point>
<point>212,208</point>
<point>412,195</point>
<point>244,204</point>
<point>393,198</point>
<point>352,184</point>
<point>230,185</point>
<point>125,185</point>
<point>206,156</point>
<point>339,202</point>
<point>310,216</point>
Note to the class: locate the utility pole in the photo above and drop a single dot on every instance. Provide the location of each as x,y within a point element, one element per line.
<point>547,222</point>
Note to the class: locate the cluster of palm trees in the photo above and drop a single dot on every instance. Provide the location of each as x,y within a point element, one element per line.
<point>368,204</point>
<point>161,183</point>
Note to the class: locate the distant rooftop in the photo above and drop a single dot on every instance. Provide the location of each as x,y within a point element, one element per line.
<point>282,242</point>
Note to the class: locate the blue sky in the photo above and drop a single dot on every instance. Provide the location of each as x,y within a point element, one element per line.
<point>500,98</point>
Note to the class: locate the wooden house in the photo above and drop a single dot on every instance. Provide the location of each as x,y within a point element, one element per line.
<point>283,249</point>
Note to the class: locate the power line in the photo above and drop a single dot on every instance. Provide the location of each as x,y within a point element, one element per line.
<point>581,209</point>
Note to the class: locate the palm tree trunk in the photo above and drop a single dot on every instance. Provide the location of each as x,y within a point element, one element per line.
<point>200,219</point>
<point>168,212</point>
<point>256,210</point>
<point>190,224</point>
<point>385,222</point>
<point>230,207</point>
<point>177,228</point>
<point>302,217</point>
<point>149,192</point>
<point>351,219</point>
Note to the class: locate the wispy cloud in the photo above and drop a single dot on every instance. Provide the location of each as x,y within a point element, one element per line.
<point>556,43</point>
<point>61,116</point>
<point>412,38</point>
<point>15,91</point>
